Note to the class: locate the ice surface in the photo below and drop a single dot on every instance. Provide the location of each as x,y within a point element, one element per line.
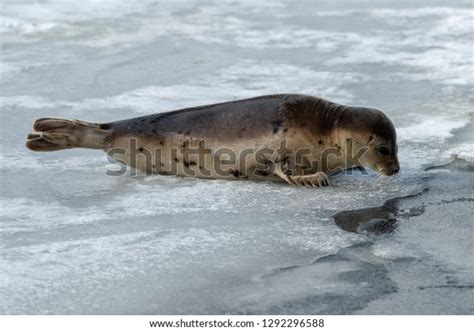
<point>74,240</point>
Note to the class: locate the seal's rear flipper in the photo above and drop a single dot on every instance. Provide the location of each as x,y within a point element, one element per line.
<point>56,134</point>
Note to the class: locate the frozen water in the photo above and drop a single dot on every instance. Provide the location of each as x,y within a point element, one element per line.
<point>74,240</point>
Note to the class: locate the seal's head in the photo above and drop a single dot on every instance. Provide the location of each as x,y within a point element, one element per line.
<point>372,131</point>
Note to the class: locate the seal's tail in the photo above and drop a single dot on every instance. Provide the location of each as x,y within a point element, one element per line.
<point>54,134</point>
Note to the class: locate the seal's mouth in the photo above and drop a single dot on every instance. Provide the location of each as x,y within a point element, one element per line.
<point>388,171</point>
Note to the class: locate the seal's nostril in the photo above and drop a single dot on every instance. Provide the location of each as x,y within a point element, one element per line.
<point>396,170</point>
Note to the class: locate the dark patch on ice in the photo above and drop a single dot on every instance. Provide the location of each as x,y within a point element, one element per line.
<point>369,281</point>
<point>376,220</point>
<point>457,164</point>
<point>384,219</point>
<point>325,258</point>
<point>455,200</point>
<point>447,286</point>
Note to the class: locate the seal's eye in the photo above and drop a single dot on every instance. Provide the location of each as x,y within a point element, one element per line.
<point>383,150</point>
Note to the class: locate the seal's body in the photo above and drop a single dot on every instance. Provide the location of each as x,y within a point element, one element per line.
<point>296,138</point>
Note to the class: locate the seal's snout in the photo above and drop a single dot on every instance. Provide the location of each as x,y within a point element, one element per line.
<point>391,170</point>
<point>396,169</point>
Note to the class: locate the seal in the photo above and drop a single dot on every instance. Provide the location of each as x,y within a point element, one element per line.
<point>293,138</point>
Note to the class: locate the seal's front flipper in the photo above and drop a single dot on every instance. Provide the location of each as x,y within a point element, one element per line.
<point>55,134</point>
<point>318,179</point>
